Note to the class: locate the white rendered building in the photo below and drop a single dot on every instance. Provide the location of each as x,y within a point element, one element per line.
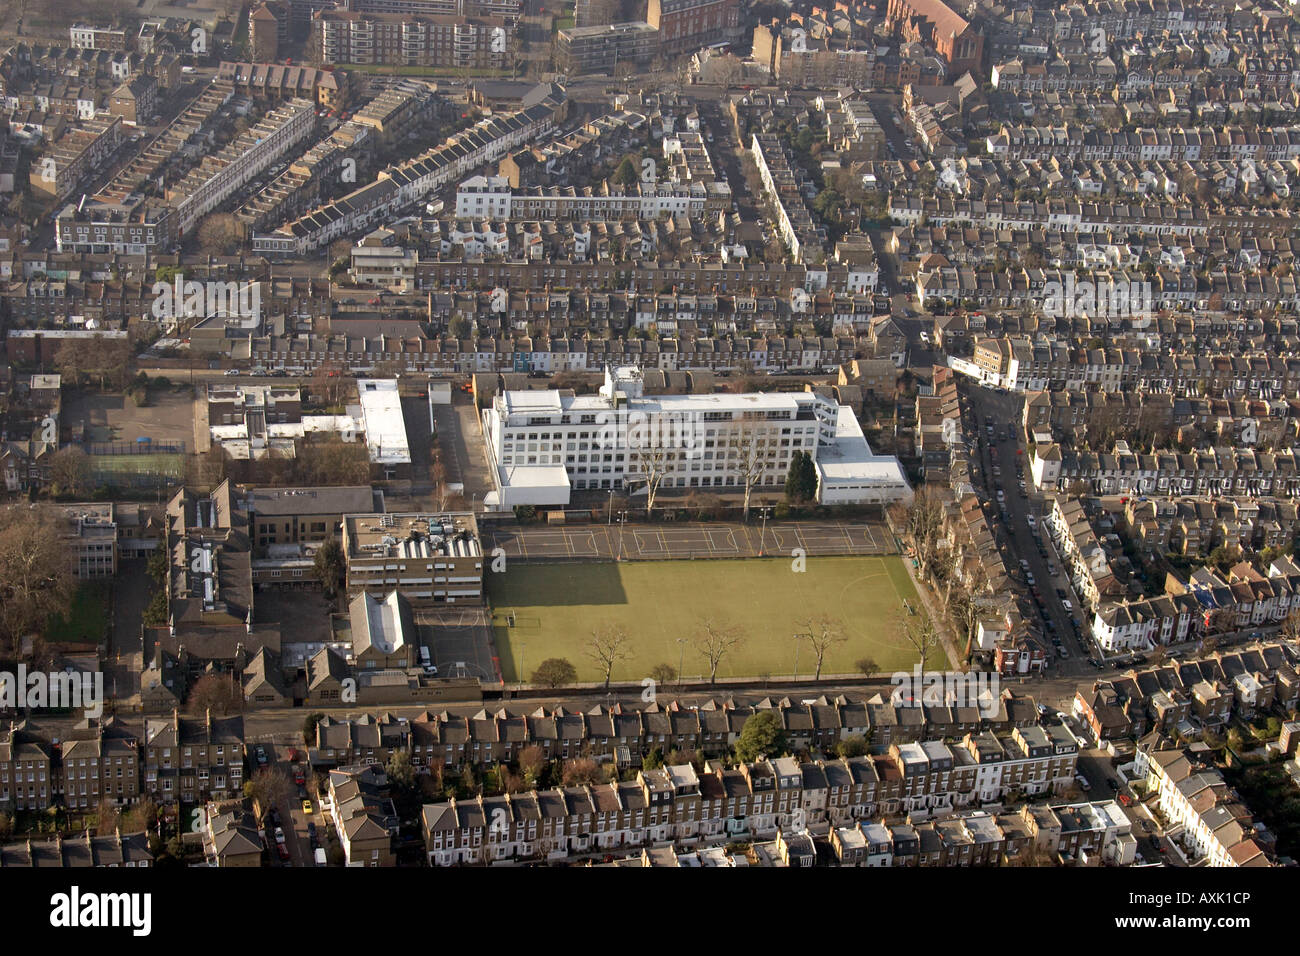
<point>545,444</point>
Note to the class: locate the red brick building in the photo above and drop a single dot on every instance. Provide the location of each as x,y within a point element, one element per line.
<point>938,25</point>
<point>687,25</point>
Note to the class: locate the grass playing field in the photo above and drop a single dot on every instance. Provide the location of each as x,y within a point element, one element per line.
<point>555,608</point>
<point>87,618</point>
<point>108,467</point>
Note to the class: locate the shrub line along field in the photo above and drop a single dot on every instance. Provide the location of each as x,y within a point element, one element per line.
<point>551,610</point>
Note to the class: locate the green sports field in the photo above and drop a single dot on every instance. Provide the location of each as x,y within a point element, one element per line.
<point>555,608</point>
<point>108,467</point>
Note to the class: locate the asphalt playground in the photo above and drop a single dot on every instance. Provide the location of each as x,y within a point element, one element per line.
<point>632,542</point>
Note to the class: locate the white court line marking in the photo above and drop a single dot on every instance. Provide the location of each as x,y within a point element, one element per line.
<point>728,539</point>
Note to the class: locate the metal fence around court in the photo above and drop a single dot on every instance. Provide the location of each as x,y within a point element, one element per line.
<point>136,465</point>
<point>133,448</point>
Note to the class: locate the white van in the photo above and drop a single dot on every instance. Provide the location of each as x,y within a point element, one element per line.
<point>320,856</point>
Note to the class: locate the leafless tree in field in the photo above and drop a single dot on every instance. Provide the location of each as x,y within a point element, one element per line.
<point>921,634</point>
<point>714,641</point>
<point>608,648</point>
<point>823,633</point>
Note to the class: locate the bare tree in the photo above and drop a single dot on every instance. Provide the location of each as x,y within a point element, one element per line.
<point>219,693</point>
<point>922,521</point>
<point>36,580</point>
<point>650,456</point>
<point>70,471</point>
<point>964,603</point>
<point>1290,627</point>
<point>220,234</point>
<point>1222,621</point>
<point>106,816</point>
<point>532,761</point>
<point>919,631</point>
<point>714,641</point>
<point>269,787</point>
<point>441,487</point>
<point>608,648</point>
<point>823,633</point>
<point>582,770</point>
<point>749,454</point>
<point>327,382</point>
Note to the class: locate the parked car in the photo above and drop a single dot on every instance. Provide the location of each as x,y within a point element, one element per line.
<point>307,807</point>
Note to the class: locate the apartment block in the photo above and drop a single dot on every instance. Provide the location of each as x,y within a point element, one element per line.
<point>601,49</point>
<point>509,10</point>
<point>687,25</point>
<point>471,43</point>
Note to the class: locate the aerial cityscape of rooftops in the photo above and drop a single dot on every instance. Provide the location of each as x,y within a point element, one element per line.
<point>650,433</point>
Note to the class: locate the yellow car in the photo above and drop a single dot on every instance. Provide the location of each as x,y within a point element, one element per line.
<point>306,807</point>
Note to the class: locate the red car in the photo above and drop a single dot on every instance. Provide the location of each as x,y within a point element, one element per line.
<point>284,851</point>
<point>299,777</point>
